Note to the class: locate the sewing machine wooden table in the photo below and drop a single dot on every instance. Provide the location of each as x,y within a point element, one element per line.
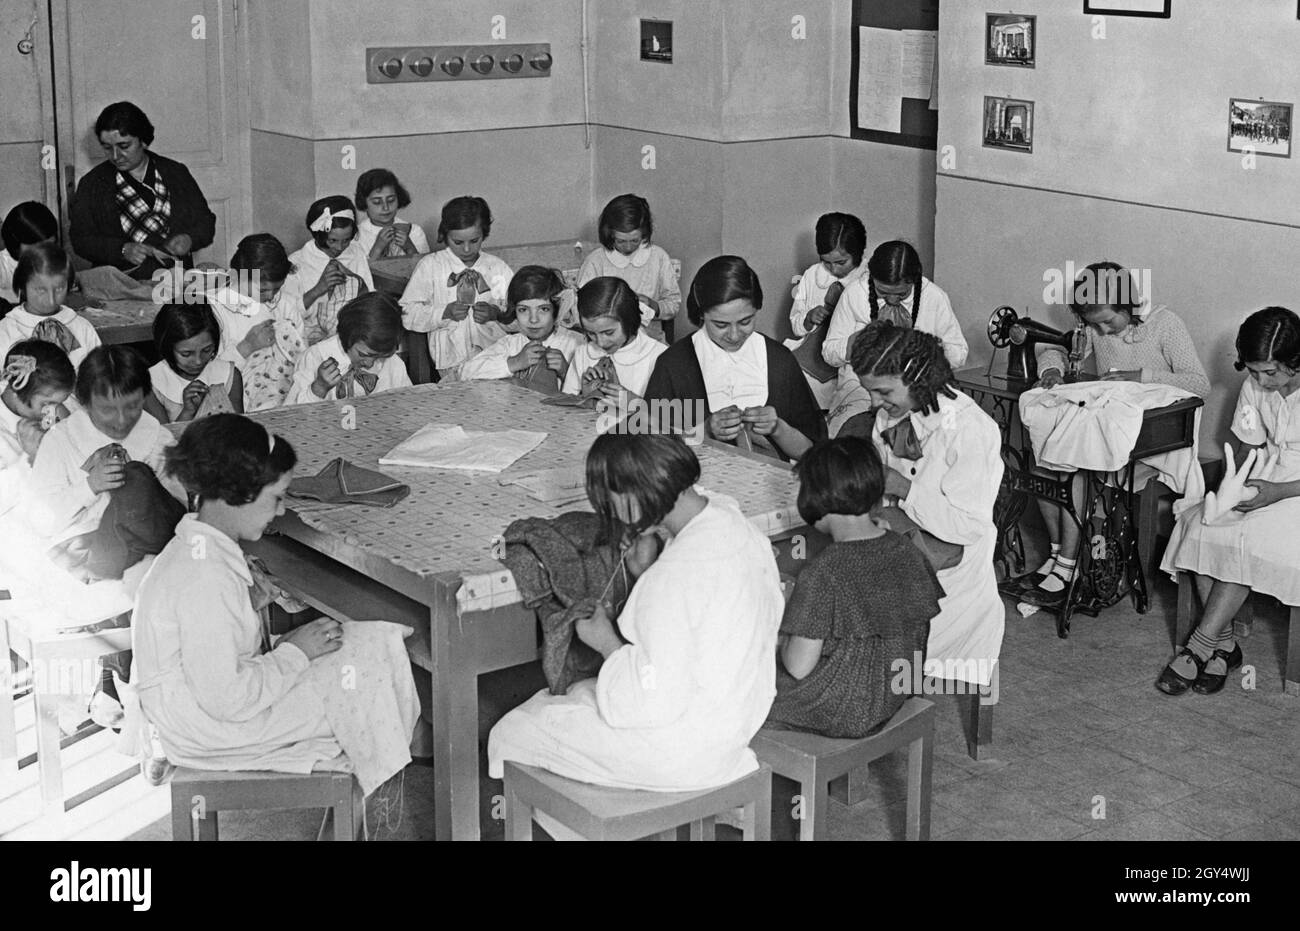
<point>1109,563</point>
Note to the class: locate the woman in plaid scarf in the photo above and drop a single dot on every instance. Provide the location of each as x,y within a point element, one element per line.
<point>137,211</point>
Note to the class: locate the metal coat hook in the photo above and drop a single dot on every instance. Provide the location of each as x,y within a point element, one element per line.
<point>27,44</point>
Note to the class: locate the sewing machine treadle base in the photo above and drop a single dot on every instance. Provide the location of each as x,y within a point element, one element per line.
<point>1109,564</point>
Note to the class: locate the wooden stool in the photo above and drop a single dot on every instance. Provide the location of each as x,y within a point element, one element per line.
<point>1187,613</point>
<point>601,813</point>
<point>197,796</point>
<point>817,762</point>
<point>1156,520</point>
<point>62,663</point>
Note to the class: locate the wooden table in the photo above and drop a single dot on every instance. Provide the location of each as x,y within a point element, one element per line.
<point>428,562</point>
<point>1109,563</point>
<point>123,321</point>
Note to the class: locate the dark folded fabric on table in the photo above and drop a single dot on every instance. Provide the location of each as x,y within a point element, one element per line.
<point>562,568</point>
<point>342,482</point>
<point>572,400</point>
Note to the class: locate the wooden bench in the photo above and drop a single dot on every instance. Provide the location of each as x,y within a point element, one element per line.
<point>825,767</point>
<point>601,813</point>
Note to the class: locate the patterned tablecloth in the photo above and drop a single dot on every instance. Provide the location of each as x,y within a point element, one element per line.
<point>452,519</point>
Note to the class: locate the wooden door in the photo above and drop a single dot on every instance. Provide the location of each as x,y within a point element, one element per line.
<point>179,61</point>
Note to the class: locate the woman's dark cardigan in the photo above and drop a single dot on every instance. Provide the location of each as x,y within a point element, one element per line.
<point>96,231</point>
<point>677,376</point>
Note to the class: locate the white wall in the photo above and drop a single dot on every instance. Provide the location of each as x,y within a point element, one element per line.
<point>1130,163</point>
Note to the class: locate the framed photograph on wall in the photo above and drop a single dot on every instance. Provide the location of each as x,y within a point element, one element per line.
<point>1009,39</point>
<point>1157,9</point>
<point>1009,124</point>
<point>657,40</point>
<point>1262,127</point>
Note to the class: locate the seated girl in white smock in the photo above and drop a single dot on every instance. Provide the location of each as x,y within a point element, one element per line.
<point>618,355</point>
<point>331,269</point>
<point>1253,547</point>
<point>894,289</point>
<point>688,676</point>
<point>540,353</point>
<point>943,464</point>
<point>191,381</point>
<point>208,677</point>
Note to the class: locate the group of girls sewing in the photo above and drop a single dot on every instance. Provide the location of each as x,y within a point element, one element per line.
<point>909,451</point>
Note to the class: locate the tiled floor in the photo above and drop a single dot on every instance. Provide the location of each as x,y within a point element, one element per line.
<point>1084,748</point>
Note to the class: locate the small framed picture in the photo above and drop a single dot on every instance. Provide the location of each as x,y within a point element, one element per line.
<point>657,40</point>
<point>1262,127</point>
<point>1156,9</point>
<point>1009,39</point>
<point>1009,124</point>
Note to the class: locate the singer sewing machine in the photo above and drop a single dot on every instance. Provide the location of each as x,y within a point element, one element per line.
<point>1020,334</point>
<point>1110,566</point>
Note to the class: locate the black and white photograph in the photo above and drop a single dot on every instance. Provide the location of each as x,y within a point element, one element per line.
<point>1009,124</point>
<point>657,40</point>
<point>513,421</point>
<point>1012,40</point>
<point>1260,126</point>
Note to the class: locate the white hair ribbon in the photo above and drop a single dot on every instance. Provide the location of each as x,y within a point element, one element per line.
<point>325,222</point>
<point>16,373</point>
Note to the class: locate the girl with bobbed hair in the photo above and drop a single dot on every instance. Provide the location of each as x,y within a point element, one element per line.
<point>688,672</point>
<point>223,696</point>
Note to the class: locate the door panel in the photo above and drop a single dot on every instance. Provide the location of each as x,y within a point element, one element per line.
<point>151,53</point>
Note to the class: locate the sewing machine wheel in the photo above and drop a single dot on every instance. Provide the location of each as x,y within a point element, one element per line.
<point>1000,324</point>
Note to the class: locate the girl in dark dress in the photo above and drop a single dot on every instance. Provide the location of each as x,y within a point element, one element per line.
<point>859,617</point>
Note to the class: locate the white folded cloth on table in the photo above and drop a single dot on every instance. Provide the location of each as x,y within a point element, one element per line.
<point>450,446</point>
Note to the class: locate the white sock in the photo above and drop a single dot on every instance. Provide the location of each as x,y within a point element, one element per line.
<point>1062,575</point>
<point>1047,567</point>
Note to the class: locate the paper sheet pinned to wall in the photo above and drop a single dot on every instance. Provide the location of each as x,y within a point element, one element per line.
<point>918,62</point>
<point>880,79</point>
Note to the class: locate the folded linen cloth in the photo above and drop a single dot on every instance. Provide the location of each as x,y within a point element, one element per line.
<point>450,446</point>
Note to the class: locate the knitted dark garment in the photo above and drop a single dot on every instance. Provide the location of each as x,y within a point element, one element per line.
<point>562,568</point>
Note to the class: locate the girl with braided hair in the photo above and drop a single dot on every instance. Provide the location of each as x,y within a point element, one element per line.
<point>895,290</point>
<point>943,464</point>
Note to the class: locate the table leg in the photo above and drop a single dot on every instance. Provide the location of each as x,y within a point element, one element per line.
<point>1291,671</point>
<point>455,723</point>
<point>8,707</point>
<point>48,755</point>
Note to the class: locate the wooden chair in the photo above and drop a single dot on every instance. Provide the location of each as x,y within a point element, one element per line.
<point>1187,615</point>
<point>827,766</point>
<point>198,795</point>
<point>601,813</point>
<point>62,663</point>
